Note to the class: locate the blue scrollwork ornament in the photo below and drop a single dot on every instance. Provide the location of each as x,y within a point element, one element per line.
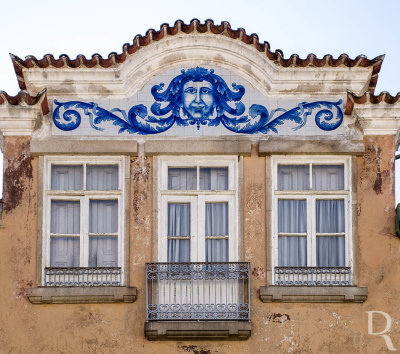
<point>198,97</point>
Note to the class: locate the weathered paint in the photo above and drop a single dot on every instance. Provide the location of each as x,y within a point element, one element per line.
<point>277,327</point>
<point>293,328</point>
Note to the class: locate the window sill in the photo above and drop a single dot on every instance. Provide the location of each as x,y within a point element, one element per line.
<point>274,293</point>
<point>82,295</point>
<point>172,330</point>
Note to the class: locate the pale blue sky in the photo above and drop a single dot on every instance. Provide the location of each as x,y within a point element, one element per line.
<point>86,27</point>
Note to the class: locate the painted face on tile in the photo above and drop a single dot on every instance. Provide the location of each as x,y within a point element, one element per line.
<point>198,98</point>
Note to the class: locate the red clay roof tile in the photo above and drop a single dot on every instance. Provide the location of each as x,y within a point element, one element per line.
<point>24,96</point>
<point>194,26</point>
<point>368,97</point>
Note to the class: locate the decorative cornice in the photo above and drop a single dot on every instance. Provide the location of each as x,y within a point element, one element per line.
<point>18,114</point>
<point>377,115</point>
<point>195,26</point>
<point>24,97</point>
<point>367,97</point>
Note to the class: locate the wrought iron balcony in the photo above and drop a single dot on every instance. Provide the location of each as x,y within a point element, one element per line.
<point>82,276</point>
<point>313,276</point>
<point>198,291</point>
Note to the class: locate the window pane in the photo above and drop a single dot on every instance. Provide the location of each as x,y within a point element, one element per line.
<point>65,217</point>
<point>179,250</point>
<point>330,216</point>
<point>104,177</point>
<point>64,252</point>
<point>292,216</point>
<point>330,251</point>
<point>103,216</point>
<point>103,251</point>
<point>292,251</point>
<point>216,219</point>
<point>327,178</point>
<point>182,178</point>
<point>293,177</point>
<point>217,250</point>
<point>179,225</point>
<point>214,178</point>
<point>179,219</point>
<point>67,177</point>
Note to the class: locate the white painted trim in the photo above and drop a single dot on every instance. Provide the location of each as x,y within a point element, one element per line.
<point>311,196</point>
<point>198,199</point>
<point>84,197</point>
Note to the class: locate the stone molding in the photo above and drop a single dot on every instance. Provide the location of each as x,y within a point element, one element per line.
<point>310,145</point>
<point>381,119</point>
<point>274,293</point>
<point>81,295</point>
<point>173,330</point>
<point>81,145</point>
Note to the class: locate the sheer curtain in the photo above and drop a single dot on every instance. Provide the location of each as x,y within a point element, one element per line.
<point>103,219</point>
<point>330,219</point>
<point>293,177</point>
<point>328,177</point>
<point>292,218</point>
<point>182,178</point>
<point>67,177</point>
<point>178,225</point>
<point>216,225</point>
<point>214,178</point>
<point>104,177</point>
<point>65,217</point>
<point>65,220</point>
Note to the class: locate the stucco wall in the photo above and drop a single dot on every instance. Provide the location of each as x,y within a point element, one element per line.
<point>277,328</point>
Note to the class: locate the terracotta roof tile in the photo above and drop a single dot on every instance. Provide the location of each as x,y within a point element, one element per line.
<point>195,26</point>
<point>24,97</point>
<point>367,97</point>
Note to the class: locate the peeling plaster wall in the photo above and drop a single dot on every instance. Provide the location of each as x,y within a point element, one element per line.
<point>277,328</point>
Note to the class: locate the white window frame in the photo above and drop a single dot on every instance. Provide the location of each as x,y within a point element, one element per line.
<point>84,197</point>
<point>311,196</point>
<point>198,199</point>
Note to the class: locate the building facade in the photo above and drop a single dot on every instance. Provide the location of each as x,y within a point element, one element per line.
<point>199,193</point>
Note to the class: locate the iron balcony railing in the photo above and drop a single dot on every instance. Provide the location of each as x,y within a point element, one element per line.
<point>198,291</point>
<point>313,276</point>
<point>82,276</point>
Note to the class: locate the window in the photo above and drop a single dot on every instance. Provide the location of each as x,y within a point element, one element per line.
<point>198,216</point>
<point>311,223</point>
<point>83,221</point>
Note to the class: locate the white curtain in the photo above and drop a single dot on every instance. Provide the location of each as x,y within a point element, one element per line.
<point>65,219</point>
<point>103,218</point>
<point>330,251</point>
<point>66,177</point>
<point>104,177</point>
<point>293,177</point>
<point>182,178</point>
<point>216,225</point>
<point>179,225</point>
<point>214,178</point>
<point>329,177</point>
<point>292,251</point>
<point>330,219</point>
<point>292,218</point>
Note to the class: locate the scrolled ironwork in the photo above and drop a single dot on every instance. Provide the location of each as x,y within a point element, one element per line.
<point>82,276</point>
<point>198,291</point>
<point>313,276</point>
